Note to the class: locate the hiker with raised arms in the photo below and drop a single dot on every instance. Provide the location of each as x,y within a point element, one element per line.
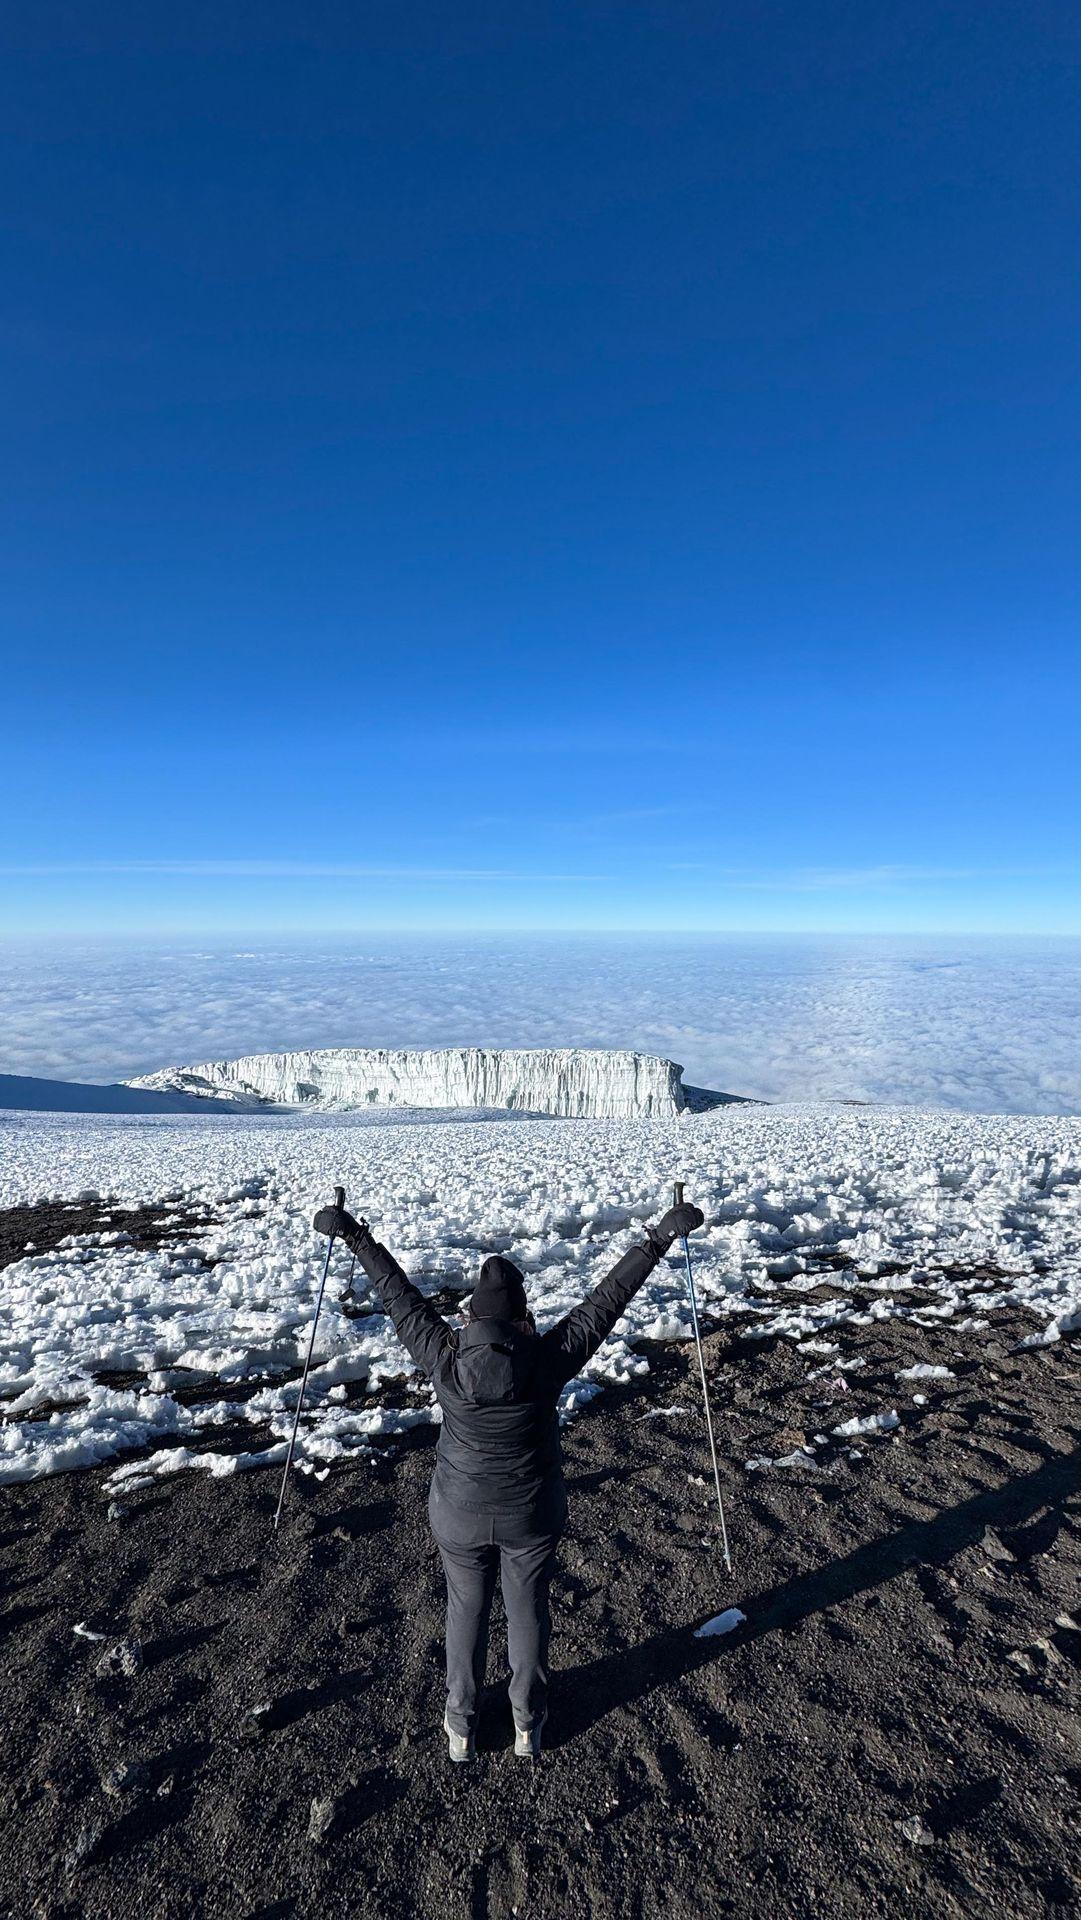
<point>497,1502</point>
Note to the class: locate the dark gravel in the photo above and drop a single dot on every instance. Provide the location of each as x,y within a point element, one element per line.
<point>893,1732</point>
<point>45,1225</point>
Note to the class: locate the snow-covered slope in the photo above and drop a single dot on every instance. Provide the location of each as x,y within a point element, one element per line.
<point>814,1217</point>
<point>567,1082</point>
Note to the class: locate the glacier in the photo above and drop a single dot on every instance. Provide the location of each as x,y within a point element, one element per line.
<point>564,1082</point>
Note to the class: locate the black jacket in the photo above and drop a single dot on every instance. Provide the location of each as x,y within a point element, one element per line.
<point>498,1446</point>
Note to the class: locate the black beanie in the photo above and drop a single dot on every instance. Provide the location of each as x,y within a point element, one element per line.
<point>500,1292</point>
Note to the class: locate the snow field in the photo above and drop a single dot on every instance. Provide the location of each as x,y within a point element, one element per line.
<point>975,1210</point>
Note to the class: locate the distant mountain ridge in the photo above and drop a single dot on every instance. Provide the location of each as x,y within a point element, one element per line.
<point>567,1082</point>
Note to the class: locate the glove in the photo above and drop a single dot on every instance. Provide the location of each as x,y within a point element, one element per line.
<point>675,1224</point>
<point>337,1224</point>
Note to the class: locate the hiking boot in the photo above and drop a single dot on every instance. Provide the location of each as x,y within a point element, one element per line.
<point>527,1740</point>
<point>461,1746</point>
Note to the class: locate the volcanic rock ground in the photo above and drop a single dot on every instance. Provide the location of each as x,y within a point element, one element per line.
<point>892,1732</point>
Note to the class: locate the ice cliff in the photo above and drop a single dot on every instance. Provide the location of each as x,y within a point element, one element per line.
<point>574,1082</point>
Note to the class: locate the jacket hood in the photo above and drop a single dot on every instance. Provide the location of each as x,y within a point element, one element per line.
<point>495,1362</point>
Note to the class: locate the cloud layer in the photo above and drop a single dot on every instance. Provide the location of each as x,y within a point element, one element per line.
<point>977,1024</point>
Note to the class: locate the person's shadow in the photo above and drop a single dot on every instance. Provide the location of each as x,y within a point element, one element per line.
<point>586,1692</point>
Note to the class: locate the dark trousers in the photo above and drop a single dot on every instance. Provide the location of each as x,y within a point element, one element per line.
<point>521,1549</point>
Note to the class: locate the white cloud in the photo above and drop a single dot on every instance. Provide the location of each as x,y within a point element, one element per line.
<point>283,870</point>
<point>884,878</point>
<point>979,1024</point>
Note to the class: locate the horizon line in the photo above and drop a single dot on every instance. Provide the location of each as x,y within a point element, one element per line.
<point>398,930</point>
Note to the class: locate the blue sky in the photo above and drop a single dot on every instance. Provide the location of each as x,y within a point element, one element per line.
<point>594,466</point>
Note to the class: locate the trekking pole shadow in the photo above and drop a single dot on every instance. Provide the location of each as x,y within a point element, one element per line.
<point>587,1693</point>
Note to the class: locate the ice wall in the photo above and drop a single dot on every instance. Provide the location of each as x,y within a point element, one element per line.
<point>566,1081</point>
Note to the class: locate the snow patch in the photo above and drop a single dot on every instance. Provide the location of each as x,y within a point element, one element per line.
<point>229,1309</point>
<point>871,1423</point>
<point>725,1622</point>
<point>799,1457</point>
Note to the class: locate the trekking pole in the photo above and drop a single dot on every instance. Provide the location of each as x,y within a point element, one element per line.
<point>339,1202</point>
<point>677,1201</point>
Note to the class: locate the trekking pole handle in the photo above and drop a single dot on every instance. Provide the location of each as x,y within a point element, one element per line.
<point>677,1194</point>
<point>339,1199</point>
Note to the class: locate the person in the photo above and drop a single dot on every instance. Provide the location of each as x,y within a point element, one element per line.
<point>498,1503</point>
